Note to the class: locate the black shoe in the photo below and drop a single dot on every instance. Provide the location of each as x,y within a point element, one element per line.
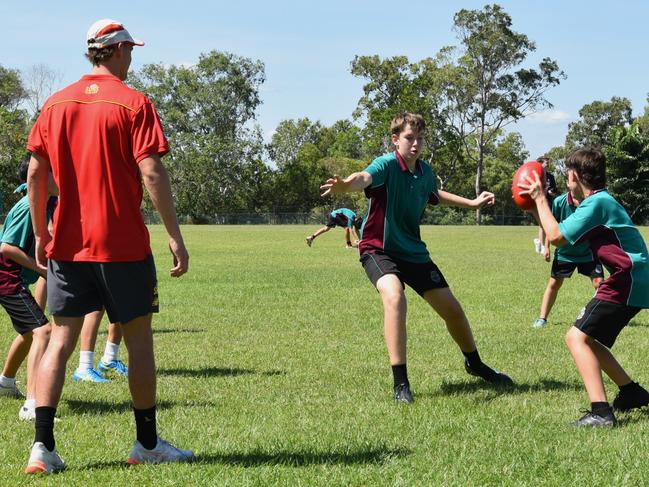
<point>633,398</point>
<point>595,420</point>
<point>488,374</point>
<point>402,394</point>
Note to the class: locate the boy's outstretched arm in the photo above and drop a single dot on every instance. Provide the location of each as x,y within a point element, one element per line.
<point>357,181</point>
<point>542,211</point>
<point>484,199</point>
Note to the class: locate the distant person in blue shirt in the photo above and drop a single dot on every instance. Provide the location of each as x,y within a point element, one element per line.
<point>342,217</point>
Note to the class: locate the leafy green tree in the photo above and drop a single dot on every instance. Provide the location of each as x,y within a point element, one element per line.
<point>207,111</point>
<point>596,120</point>
<point>489,88</point>
<point>466,94</point>
<point>13,133</point>
<point>503,159</point>
<point>627,154</point>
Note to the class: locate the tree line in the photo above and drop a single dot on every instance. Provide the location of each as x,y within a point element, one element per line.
<point>469,93</point>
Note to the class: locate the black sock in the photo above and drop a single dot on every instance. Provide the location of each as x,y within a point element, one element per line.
<point>400,374</point>
<point>631,386</point>
<point>145,427</point>
<point>45,426</point>
<point>601,408</point>
<point>473,358</point>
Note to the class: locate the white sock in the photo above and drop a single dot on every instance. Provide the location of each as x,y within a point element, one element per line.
<point>7,381</point>
<point>86,360</point>
<point>30,404</point>
<point>111,352</point>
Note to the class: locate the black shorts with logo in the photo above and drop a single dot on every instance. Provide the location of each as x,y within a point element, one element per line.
<point>603,320</point>
<point>561,269</point>
<point>127,290</point>
<point>25,314</point>
<point>421,277</point>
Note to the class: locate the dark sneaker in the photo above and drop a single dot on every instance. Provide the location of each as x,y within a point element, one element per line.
<point>635,397</point>
<point>488,374</point>
<point>595,420</point>
<point>402,394</point>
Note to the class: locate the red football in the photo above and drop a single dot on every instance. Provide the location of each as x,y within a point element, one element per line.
<point>523,201</point>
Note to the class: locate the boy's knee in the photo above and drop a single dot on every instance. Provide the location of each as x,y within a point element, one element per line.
<point>392,298</point>
<point>555,284</point>
<point>574,337</point>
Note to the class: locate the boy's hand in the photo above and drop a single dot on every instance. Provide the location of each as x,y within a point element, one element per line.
<point>40,254</point>
<point>484,199</point>
<point>333,185</point>
<point>533,187</point>
<point>546,254</point>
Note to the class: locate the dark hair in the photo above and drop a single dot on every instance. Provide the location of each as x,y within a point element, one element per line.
<point>590,166</point>
<point>23,167</point>
<point>543,159</point>
<point>402,120</point>
<point>97,56</point>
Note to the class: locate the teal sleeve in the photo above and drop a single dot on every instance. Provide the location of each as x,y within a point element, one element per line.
<point>379,171</point>
<point>556,210</point>
<point>18,228</point>
<point>584,219</point>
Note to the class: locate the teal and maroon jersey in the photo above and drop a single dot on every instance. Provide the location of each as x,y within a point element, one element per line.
<point>398,198</point>
<point>562,207</point>
<point>617,243</point>
<point>344,217</point>
<point>17,231</point>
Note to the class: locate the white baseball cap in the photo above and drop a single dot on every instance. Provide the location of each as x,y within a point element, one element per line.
<point>106,32</point>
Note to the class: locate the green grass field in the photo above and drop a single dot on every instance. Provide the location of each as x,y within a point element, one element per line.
<point>272,368</point>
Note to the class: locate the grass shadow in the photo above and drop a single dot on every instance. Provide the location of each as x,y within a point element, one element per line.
<point>543,385</point>
<point>376,456</point>
<point>77,407</point>
<point>216,372</point>
<point>303,459</point>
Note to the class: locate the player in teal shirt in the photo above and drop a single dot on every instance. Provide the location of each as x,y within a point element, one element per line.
<point>342,217</point>
<point>613,238</point>
<point>399,186</point>
<point>17,271</point>
<point>566,260</point>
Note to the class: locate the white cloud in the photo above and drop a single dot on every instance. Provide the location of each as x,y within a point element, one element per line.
<point>548,117</point>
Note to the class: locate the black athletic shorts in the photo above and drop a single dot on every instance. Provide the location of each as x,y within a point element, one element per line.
<point>561,269</point>
<point>421,277</point>
<point>603,320</point>
<point>25,314</point>
<point>126,289</point>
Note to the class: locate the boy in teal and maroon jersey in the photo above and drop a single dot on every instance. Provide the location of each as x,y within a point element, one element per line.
<point>399,186</point>
<point>615,241</point>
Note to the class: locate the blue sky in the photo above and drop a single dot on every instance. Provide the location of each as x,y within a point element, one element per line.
<point>307,46</point>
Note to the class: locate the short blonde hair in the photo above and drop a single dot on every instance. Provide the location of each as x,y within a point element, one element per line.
<point>402,120</point>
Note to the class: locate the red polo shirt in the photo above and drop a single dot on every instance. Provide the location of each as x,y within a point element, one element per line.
<point>94,133</point>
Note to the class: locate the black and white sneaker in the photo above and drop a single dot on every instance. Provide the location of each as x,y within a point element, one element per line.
<point>402,394</point>
<point>633,397</point>
<point>488,374</point>
<point>595,420</point>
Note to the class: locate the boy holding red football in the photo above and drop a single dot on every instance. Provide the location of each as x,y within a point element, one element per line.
<point>611,235</point>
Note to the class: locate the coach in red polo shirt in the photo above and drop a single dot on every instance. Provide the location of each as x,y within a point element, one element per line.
<point>101,140</point>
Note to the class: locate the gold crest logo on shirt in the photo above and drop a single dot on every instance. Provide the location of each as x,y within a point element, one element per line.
<point>92,89</point>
